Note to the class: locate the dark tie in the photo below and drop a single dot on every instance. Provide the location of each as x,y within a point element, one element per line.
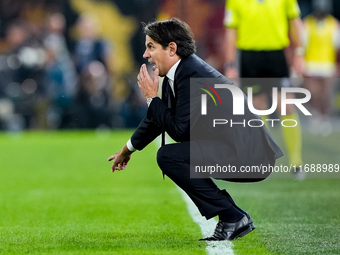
<point>170,96</point>
<point>167,99</point>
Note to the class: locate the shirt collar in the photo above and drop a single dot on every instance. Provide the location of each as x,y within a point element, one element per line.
<point>172,71</point>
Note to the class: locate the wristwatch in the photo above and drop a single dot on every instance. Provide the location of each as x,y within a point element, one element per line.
<point>148,100</point>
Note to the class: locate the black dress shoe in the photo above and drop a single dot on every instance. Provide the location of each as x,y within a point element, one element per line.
<point>230,231</point>
<point>250,220</point>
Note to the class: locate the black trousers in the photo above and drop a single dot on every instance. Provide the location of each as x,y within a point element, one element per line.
<point>174,161</point>
<point>259,64</point>
<point>264,65</point>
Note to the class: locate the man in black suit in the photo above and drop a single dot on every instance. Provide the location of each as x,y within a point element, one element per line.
<point>170,48</point>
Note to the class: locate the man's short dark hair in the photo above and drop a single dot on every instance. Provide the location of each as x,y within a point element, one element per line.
<point>172,30</point>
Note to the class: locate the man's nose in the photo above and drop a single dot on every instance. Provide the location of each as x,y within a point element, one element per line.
<point>146,54</point>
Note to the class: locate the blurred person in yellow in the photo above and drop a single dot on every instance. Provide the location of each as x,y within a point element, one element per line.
<point>322,41</point>
<point>259,31</point>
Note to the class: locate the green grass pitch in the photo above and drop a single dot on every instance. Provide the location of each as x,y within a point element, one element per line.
<point>58,196</point>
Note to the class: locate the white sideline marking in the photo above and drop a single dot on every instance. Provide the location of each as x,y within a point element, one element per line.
<point>207,226</point>
<point>207,229</point>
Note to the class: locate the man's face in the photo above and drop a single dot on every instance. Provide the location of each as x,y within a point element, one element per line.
<point>157,55</point>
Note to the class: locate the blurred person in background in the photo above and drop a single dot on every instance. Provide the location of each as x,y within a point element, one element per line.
<point>322,41</point>
<point>25,62</point>
<point>259,29</point>
<point>60,74</point>
<point>91,59</point>
<point>90,46</point>
<point>54,38</point>
<point>93,97</point>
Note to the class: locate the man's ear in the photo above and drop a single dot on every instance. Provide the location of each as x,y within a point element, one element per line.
<point>173,48</point>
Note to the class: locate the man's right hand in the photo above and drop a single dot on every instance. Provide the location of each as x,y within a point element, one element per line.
<point>120,159</point>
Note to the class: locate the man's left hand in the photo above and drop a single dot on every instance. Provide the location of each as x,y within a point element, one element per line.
<point>120,159</point>
<point>147,85</point>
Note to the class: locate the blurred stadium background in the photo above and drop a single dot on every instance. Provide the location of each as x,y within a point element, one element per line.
<point>72,64</point>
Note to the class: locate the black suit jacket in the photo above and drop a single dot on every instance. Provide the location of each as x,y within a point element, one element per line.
<point>236,145</point>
